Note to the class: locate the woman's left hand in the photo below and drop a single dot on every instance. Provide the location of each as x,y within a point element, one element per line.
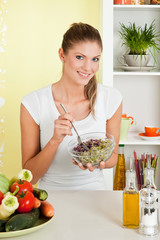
<point>89,166</point>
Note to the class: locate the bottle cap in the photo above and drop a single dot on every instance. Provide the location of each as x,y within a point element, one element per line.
<point>121,145</point>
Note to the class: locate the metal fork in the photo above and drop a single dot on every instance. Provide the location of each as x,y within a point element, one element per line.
<point>78,137</point>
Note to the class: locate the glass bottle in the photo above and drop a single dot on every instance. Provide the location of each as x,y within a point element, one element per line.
<point>147,2</point>
<point>149,209</point>
<point>120,173</point>
<point>149,178</point>
<point>130,201</point>
<point>137,2</point>
<point>149,175</point>
<point>122,1</point>
<point>153,2</point>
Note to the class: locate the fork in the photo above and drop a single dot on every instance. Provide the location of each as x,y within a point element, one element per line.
<point>78,137</point>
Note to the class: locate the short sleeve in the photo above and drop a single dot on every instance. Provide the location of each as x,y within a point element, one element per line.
<point>114,101</point>
<point>32,105</point>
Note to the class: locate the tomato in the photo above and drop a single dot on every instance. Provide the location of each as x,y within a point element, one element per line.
<point>1,197</point>
<point>23,186</point>
<point>26,201</point>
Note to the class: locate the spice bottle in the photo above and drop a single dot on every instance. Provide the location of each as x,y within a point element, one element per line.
<point>149,210</point>
<point>120,173</point>
<point>130,200</point>
<point>153,2</point>
<point>122,1</point>
<point>137,2</point>
<point>147,2</point>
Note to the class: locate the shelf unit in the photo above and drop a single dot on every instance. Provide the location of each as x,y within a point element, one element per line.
<point>140,90</point>
<point>134,139</point>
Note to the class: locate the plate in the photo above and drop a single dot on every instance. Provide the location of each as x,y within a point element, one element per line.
<point>41,222</point>
<point>138,69</point>
<point>143,136</point>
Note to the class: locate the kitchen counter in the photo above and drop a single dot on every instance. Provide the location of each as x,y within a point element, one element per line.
<point>85,215</point>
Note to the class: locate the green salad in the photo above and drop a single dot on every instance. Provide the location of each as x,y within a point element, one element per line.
<point>99,150</point>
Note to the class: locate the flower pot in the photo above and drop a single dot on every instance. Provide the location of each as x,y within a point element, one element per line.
<point>134,60</point>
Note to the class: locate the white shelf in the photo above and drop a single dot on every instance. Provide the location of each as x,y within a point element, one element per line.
<point>134,139</point>
<point>134,73</point>
<point>125,6</point>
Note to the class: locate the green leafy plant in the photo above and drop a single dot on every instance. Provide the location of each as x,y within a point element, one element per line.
<point>139,40</point>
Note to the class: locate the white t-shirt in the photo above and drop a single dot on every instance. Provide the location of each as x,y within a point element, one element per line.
<point>62,173</point>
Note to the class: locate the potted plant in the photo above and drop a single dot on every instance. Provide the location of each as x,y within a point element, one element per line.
<point>141,43</point>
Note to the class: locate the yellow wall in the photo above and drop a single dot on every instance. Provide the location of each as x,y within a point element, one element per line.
<point>34,34</point>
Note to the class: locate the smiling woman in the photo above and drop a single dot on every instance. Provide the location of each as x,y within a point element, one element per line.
<point>46,130</point>
<point>30,61</point>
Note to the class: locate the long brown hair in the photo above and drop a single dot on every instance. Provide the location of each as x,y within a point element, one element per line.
<point>82,32</point>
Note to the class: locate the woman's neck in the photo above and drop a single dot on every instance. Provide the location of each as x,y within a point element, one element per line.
<point>68,92</point>
<point>73,99</point>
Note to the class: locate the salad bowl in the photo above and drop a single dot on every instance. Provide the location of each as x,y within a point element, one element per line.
<point>100,144</point>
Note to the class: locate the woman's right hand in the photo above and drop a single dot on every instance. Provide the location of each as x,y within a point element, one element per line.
<point>62,127</point>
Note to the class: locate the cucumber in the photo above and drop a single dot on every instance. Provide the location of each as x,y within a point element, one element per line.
<point>2,224</point>
<point>22,220</point>
<point>41,194</point>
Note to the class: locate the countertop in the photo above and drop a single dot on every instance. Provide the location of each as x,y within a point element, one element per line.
<point>85,215</point>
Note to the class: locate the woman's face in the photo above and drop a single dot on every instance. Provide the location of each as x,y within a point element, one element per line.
<point>81,62</point>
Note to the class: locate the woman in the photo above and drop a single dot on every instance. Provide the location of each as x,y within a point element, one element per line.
<point>46,129</point>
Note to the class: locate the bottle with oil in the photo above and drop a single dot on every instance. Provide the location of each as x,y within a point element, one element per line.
<point>130,201</point>
<point>120,173</point>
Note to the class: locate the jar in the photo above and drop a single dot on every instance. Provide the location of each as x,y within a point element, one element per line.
<point>137,2</point>
<point>147,2</point>
<point>154,2</point>
<point>122,1</point>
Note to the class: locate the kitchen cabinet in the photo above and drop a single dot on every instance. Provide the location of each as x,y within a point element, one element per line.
<point>140,89</point>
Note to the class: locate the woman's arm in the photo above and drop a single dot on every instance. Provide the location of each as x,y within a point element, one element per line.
<point>113,128</point>
<point>33,158</point>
